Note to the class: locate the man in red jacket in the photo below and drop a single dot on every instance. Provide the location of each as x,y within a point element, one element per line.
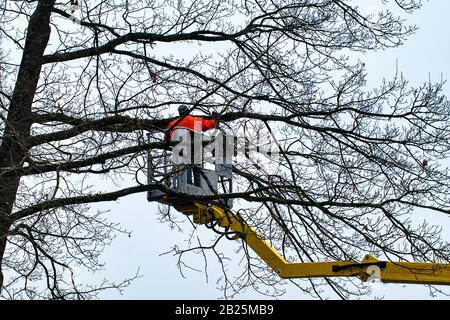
<point>193,125</point>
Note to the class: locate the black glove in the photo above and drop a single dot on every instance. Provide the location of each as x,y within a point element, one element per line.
<point>215,115</point>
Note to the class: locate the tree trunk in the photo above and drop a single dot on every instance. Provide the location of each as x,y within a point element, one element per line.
<point>14,149</point>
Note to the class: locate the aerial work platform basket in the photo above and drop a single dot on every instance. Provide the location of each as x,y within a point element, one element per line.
<point>164,168</point>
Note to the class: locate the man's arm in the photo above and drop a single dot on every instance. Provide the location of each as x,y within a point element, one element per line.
<point>211,124</point>
<point>208,124</point>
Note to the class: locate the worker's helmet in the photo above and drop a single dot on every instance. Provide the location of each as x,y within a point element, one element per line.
<point>183,109</point>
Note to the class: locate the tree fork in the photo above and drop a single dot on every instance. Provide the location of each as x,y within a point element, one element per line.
<point>13,148</point>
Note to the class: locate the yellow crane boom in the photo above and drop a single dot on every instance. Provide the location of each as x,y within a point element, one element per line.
<point>386,271</point>
<point>163,170</point>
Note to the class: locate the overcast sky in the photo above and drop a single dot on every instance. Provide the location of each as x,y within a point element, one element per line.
<point>425,56</point>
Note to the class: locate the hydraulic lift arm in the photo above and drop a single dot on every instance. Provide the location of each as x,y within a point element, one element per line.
<point>386,271</point>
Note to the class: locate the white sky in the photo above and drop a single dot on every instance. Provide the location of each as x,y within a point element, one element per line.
<point>425,56</point>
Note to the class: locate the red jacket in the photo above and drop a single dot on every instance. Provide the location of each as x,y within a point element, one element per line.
<point>197,124</point>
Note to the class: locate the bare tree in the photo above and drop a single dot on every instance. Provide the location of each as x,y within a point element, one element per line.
<point>78,95</point>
